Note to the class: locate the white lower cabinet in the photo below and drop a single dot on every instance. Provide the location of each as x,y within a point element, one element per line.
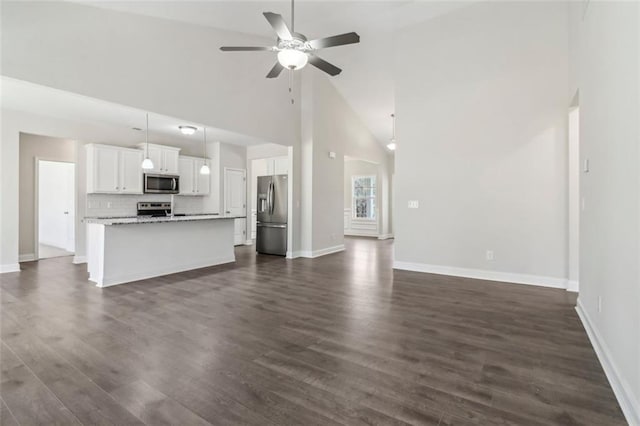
<point>191,181</point>
<point>113,170</point>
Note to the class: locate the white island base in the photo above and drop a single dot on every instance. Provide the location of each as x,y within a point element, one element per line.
<point>123,251</point>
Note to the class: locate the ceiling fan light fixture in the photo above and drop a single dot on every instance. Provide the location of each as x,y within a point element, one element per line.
<point>292,59</point>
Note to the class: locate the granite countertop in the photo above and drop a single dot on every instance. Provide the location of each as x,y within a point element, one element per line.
<point>132,220</point>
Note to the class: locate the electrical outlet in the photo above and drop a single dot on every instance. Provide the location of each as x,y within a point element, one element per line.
<point>490,255</point>
<point>414,204</point>
<point>599,304</point>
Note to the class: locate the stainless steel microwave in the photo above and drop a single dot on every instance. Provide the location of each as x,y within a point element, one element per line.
<point>161,184</point>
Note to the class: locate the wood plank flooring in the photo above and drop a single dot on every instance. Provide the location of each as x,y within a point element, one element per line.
<point>341,339</point>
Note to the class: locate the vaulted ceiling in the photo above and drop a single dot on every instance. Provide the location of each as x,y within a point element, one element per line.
<point>367,78</point>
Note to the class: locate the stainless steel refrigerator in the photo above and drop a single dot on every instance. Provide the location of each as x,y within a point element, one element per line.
<point>271,227</point>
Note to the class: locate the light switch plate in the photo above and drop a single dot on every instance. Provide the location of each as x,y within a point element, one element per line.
<point>585,167</point>
<point>414,204</point>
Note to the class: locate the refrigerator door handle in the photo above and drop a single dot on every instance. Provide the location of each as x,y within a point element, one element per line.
<point>271,225</point>
<point>271,200</point>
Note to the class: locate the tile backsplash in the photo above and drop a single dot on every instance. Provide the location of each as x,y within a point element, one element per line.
<point>113,205</point>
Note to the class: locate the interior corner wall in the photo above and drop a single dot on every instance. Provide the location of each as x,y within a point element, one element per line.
<point>607,50</point>
<point>44,148</point>
<point>329,124</point>
<point>482,142</point>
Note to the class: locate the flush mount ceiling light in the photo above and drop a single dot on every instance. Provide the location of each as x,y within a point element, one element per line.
<point>187,130</point>
<point>147,164</point>
<point>204,170</point>
<point>392,144</point>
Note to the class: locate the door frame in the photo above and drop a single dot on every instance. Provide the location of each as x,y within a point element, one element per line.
<point>226,187</point>
<point>36,200</point>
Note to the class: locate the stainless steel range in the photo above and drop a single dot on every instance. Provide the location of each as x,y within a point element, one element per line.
<point>154,208</point>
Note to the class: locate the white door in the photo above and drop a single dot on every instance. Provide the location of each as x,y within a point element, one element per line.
<point>234,192</point>
<point>56,205</point>
<point>106,169</point>
<point>235,201</point>
<point>131,172</point>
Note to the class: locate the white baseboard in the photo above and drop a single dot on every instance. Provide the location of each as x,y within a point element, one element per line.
<point>9,267</point>
<point>629,403</point>
<point>573,286</point>
<point>360,234</point>
<point>385,236</point>
<point>292,254</point>
<point>30,257</point>
<point>77,260</point>
<point>481,274</point>
<point>321,252</point>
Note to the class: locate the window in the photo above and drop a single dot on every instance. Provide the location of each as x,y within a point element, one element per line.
<point>363,194</point>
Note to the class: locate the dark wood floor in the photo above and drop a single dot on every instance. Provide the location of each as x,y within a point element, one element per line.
<point>342,339</point>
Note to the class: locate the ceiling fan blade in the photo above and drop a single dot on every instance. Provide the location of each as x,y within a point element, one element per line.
<point>323,65</point>
<point>275,71</point>
<point>244,48</point>
<point>336,40</point>
<point>278,24</point>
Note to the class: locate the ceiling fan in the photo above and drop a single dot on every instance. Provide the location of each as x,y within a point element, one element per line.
<point>294,50</point>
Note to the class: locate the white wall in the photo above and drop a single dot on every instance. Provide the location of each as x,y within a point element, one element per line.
<point>606,46</point>
<point>31,147</point>
<point>56,195</point>
<point>329,124</point>
<point>164,66</point>
<point>481,128</point>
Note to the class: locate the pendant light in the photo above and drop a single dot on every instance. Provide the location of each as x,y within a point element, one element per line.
<point>392,144</point>
<point>147,164</point>
<point>204,170</point>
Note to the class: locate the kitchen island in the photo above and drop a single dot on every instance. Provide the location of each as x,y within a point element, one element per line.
<point>125,249</point>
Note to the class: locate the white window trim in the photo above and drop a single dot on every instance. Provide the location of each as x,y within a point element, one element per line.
<point>353,199</point>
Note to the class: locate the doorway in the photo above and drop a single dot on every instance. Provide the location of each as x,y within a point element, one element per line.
<point>55,209</point>
<point>235,201</point>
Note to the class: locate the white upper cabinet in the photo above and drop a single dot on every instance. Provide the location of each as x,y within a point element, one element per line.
<point>113,170</point>
<point>277,166</point>
<point>164,158</point>
<point>131,171</point>
<point>102,169</point>
<point>191,181</point>
<point>202,181</point>
<point>187,184</point>
<point>281,166</point>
